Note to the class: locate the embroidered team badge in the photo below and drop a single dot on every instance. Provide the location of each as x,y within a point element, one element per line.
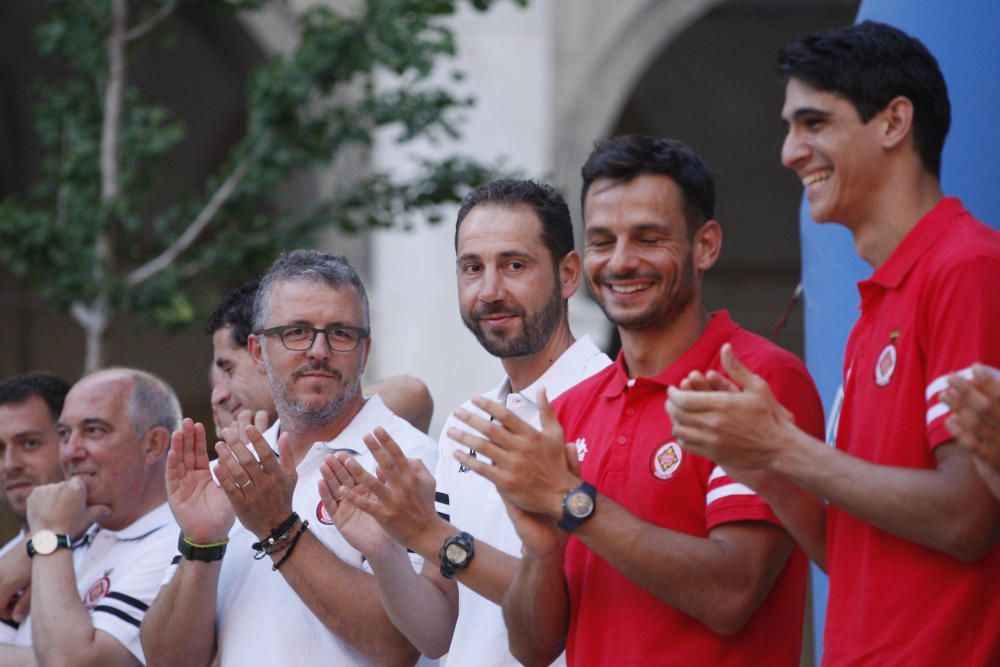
<point>666,460</point>
<point>886,363</point>
<point>322,515</point>
<point>581,448</point>
<point>97,591</point>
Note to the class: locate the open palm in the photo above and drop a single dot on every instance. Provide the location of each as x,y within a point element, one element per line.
<point>200,506</point>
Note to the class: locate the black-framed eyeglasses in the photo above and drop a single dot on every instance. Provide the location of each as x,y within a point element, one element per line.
<point>299,337</point>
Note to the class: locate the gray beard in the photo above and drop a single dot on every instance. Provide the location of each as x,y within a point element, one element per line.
<point>299,417</point>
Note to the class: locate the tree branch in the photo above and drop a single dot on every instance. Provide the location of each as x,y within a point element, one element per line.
<point>218,199</point>
<point>111,128</point>
<point>150,24</point>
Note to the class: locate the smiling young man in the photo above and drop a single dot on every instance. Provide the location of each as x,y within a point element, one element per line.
<point>290,589</point>
<point>88,599</point>
<point>910,538</point>
<point>670,561</point>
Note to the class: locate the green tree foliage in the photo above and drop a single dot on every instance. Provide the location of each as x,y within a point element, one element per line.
<point>85,238</point>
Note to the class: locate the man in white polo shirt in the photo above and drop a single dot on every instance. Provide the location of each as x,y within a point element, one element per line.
<point>516,269</point>
<point>88,599</point>
<point>29,456</point>
<point>290,589</point>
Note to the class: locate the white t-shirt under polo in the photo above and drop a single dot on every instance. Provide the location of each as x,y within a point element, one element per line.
<point>118,574</point>
<point>260,619</point>
<point>472,504</point>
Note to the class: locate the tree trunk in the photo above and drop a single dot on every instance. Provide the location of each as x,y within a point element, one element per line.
<point>94,319</point>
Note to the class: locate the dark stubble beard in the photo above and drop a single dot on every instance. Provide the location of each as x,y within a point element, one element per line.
<point>535,335</point>
<point>659,314</point>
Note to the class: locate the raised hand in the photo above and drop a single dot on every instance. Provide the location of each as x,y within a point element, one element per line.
<point>736,429</point>
<point>359,528</point>
<point>62,507</point>
<point>528,466</point>
<point>401,498</point>
<point>200,506</point>
<point>259,485</point>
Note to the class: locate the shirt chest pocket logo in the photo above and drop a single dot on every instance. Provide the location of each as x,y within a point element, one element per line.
<point>885,365</point>
<point>97,591</point>
<point>666,460</point>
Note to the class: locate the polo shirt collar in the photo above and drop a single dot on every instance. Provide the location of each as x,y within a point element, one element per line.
<point>928,230</point>
<point>557,378</point>
<point>148,523</point>
<point>719,329</point>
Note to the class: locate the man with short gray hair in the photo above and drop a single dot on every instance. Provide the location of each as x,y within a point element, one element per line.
<point>290,588</point>
<point>89,597</point>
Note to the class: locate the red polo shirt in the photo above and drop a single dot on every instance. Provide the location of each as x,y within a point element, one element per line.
<point>931,310</point>
<point>623,432</point>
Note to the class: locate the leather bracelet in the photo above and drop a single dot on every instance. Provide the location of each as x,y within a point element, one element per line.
<point>206,553</point>
<point>278,539</point>
<point>291,547</point>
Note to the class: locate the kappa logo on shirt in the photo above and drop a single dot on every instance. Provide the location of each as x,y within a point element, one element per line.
<point>98,591</point>
<point>666,460</point>
<point>581,448</point>
<point>464,468</point>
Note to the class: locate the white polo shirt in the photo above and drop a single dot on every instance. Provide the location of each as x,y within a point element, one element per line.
<point>260,619</point>
<point>472,503</point>
<point>118,574</point>
<point>8,629</point>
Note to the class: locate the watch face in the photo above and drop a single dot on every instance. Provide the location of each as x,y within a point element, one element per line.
<point>44,542</point>
<point>579,505</point>
<point>456,553</point>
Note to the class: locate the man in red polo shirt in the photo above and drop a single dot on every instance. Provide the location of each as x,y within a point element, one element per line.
<point>672,560</point>
<point>910,539</point>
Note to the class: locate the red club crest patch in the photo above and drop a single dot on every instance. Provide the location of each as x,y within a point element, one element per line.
<point>666,460</point>
<point>97,592</point>
<point>885,365</point>
<point>322,515</point>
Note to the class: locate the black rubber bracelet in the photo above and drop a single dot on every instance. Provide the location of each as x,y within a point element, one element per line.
<point>291,547</point>
<point>206,553</point>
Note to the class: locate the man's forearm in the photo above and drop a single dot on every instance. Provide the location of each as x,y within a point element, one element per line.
<point>423,606</point>
<point>341,597</point>
<point>720,580</point>
<point>536,610</point>
<point>947,509</point>
<point>17,656</point>
<point>179,628</point>
<point>61,630</point>
<point>802,513</point>
<point>490,571</point>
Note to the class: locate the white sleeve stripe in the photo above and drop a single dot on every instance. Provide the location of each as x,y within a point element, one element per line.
<point>717,472</point>
<point>936,411</point>
<point>941,383</point>
<point>728,490</point>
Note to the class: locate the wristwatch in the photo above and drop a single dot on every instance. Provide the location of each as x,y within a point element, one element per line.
<point>578,506</point>
<point>206,553</point>
<point>456,554</point>
<point>45,542</point>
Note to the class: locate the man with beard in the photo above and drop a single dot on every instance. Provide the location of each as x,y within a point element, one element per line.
<point>516,269</point>
<point>291,589</point>
<point>238,385</point>
<point>29,457</point>
<point>669,559</point>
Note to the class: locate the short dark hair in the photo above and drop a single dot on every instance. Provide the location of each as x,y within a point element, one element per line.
<point>47,387</point>
<point>869,64</point>
<point>308,265</point>
<point>626,157</point>
<point>236,311</point>
<point>548,205</point>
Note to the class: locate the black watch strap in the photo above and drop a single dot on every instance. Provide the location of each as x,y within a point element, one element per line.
<point>206,553</point>
<point>61,542</point>
<point>456,553</point>
<point>578,506</point>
